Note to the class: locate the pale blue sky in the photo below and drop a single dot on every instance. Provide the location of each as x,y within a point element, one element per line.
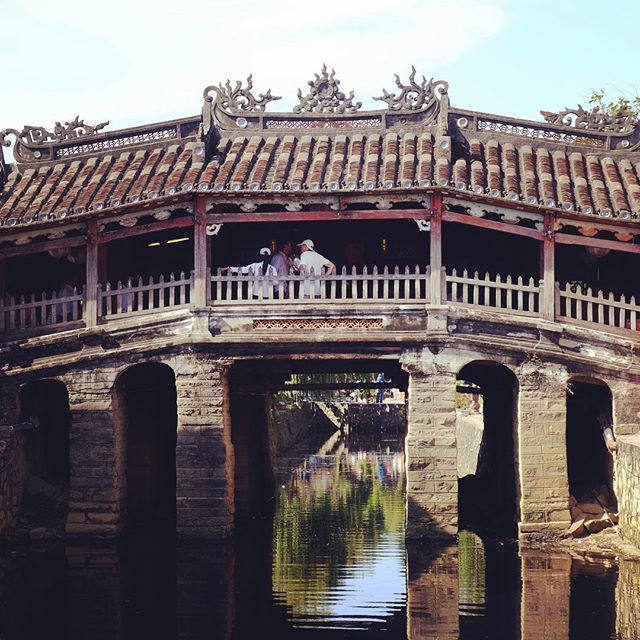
<point>134,62</point>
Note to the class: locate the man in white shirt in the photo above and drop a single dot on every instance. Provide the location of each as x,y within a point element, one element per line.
<point>312,263</point>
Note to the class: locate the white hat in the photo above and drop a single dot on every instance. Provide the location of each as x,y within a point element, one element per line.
<point>265,251</point>
<point>308,242</point>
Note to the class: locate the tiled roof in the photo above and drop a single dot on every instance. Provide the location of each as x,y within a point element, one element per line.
<point>513,168</point>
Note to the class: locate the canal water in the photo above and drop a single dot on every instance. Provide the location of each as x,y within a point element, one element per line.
<point>328,561</point>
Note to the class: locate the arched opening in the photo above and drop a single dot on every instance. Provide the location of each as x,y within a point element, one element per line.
<point>590,465</point>
<point>486,426</point>
<point>46,452</point>
<point>147,403</point>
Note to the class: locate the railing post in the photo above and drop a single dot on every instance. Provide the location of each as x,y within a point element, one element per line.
<point>199,298</point>
<point>91,276</point>
<point>547,269</point>
<point>435,250</point>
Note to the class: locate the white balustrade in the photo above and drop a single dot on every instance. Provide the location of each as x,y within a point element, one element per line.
<point>575,305</point>
<point>402,286</point>
<point>515,295</point>
<point>135,297</point>
<point>61,307</point>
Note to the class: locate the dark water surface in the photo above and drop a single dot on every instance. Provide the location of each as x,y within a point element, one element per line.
<point>331,562</point>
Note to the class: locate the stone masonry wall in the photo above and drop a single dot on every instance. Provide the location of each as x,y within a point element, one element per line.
<point>627,486</point>
<point>432,481</point>
<point>204,451</point>
<point>97,485</point>
<point>13,476</point>
<point>627,601</point>
<point>542,449</point>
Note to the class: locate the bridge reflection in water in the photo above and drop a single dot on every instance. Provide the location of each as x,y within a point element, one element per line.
<point>331,562</point>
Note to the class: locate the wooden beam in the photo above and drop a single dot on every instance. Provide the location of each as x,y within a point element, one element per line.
<point>450,216</point>
<point>319,216</point>
<point>435,250</point>
<point>200,241</point>
<point>548,270</point>
<point>563,238</point>
<point>41,247</point>
<point>151,227</point>
<point>91,300</point>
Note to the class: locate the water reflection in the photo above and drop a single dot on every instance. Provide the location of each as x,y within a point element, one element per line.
<point>331,562</point>
<point>339,558</point>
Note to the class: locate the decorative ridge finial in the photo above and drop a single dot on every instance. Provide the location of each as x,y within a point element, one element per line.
<point>325,96</point>
<point>38,136</point>
<point>622,121</point>
<point>414,96</point>
<point>238,99</point>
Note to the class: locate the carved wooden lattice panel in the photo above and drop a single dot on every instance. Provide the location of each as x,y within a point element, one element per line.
<point>306,324</point>
<point>363,123</point>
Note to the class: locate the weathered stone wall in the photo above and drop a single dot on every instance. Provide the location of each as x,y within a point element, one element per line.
<point>13,476</point>
<point>627,486</point>
<point>97,484</point>
<point>627,600</point>
<point>432,480</point>
<point>542,449</point>
<point>295,422</point>
<point>204,452</point>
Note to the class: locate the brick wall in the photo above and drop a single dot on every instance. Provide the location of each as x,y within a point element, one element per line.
<point>627,486</point>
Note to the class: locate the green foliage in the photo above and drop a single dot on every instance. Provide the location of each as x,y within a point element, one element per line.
<point>621,106</point>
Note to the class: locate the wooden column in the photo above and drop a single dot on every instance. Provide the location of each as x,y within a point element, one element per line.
<point>200,285</point>
<point>435,250</point>
<point>548,270</point>
<point>91,278</point>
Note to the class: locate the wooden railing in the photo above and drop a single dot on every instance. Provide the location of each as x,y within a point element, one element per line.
<point>135,297</point>
<point>574,305</point>
<point>514,295</point>
<point>411,285</point>
<point>61,307</point>
<point>408,285</point>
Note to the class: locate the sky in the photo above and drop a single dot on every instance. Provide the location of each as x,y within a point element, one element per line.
<point>141,61</point>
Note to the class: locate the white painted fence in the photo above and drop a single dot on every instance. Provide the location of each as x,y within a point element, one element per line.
<point>575,305</point>
<point>397,285</point>
<point>135,297</point>
<point>515,295</point>
<point>30,312</point>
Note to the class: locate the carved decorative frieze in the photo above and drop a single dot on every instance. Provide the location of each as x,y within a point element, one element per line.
<point>325,96</point>
<point>414,96</point>
<point>238,99</point>
<point>33,136</point>
<point>623,121</point>
<point>318,324</point>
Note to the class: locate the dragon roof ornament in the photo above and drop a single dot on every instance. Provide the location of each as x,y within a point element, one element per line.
<point>238,99</point>
<point>623,121</point>
<point>414,96</point>
<point>34,136</point>
<point>325,96</point>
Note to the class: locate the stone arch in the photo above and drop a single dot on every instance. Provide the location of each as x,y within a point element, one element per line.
<point>145,403</point>
<point>589,462</point>
<point>46,451</point>
<point>486,433</point>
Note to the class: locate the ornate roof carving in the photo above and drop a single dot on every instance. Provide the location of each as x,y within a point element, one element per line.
<point>33,136</point>
<point>238,99</point>
<point>413,96</point>
<point>325,96</point>
<point>622,122</point>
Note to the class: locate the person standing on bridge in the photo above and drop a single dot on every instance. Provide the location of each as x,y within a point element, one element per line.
<point>312,263</point>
